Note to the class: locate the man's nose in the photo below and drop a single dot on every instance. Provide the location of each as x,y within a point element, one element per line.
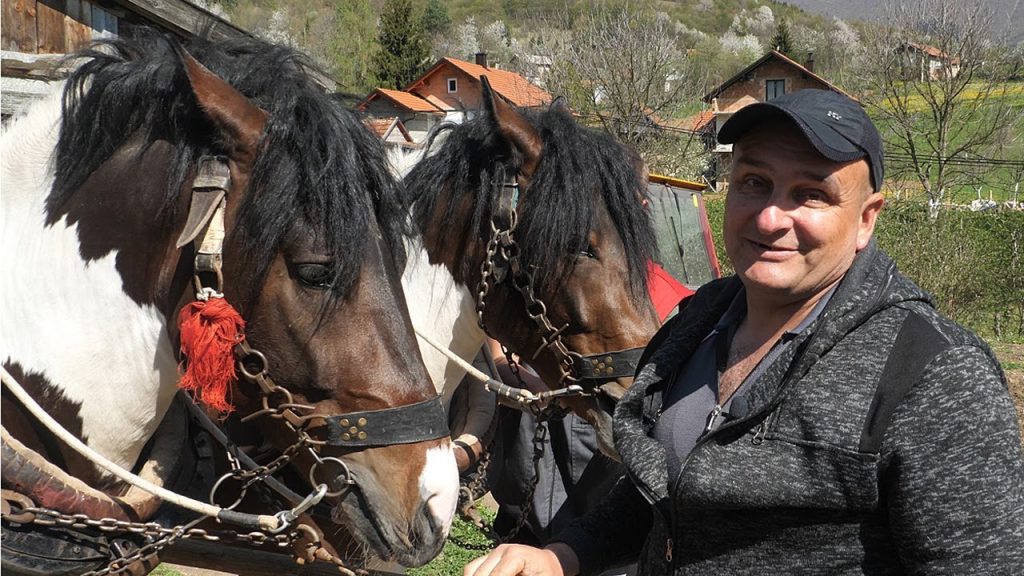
<point>772,217</point>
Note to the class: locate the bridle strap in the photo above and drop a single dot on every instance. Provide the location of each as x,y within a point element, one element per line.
<point>407,424</point>
<point>607,366</point>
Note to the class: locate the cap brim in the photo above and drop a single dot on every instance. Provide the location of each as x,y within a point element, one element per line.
<point>825,140</point>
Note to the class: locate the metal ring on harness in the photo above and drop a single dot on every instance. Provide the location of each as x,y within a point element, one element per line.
<point>348,481</point>
<point>217,485</point>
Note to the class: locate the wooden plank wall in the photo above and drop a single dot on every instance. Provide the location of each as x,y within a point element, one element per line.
<point>54,26</point>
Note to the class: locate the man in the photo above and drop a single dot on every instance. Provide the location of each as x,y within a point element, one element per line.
<point>814,413</point>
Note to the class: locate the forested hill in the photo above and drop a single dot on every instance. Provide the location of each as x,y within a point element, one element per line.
<point>342,35</point>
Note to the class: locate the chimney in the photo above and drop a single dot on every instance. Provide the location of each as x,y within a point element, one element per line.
<point>481,59</point>
<point>810,60</point>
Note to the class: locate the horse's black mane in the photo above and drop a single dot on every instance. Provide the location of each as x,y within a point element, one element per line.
<point>317,161</point>
<point>557,209</point>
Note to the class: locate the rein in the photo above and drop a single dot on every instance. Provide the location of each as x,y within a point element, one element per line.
<point>581,375</point>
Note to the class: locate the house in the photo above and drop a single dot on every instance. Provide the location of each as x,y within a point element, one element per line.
<point>418,115</point>
<point>923,62</point>
<point>450,91</point>
<point>391,130</point>
<point>36,34</point>
<point>769,77</point>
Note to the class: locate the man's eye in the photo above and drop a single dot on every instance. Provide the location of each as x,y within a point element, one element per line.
<point>813,196</point>
<point>589,252</point>
<point>754,183</point>
<point>312,275</point>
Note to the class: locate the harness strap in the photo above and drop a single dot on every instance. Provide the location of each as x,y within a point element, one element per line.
<point>407,424</point>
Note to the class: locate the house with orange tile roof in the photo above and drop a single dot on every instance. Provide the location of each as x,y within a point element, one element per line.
<point>417,115</point>
<point>391,130</point>
<point>769,77</point>
<point>457,83</point>
<point>450,92</point>
<point>923,62</point>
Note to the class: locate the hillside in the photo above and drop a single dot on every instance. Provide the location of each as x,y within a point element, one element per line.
<point>1009,11</point>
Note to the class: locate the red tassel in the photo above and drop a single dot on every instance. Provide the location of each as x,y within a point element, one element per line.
<point>209,332</point>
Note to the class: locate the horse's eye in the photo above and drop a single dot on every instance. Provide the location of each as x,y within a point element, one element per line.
<point>314,275</point>
<point>589,252</point>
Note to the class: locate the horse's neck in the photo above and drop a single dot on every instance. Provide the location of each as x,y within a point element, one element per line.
<point>67,321</point>
<point>446,312</point>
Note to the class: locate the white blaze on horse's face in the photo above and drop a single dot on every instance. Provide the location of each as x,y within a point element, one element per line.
<point>116,340</point>
<point>439,483</point>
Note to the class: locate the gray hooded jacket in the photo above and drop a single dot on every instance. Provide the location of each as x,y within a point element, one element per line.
<point>789,488</point>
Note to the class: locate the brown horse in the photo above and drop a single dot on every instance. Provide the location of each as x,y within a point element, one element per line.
<point>542,220</point>
<point>98,192</point>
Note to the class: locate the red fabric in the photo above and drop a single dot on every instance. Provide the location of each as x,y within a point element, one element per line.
<point>209,332</point>
<point>665,290</point>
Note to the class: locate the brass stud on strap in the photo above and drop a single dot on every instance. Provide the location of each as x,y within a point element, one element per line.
<point>610,370</point>
<point>608,359</point>
<point>346,436</point>
<point>361,422</point>
<point>353,430</point>
<point>343,422</point>
<point>362,435</point>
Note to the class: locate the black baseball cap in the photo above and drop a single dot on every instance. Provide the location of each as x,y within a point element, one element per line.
<point>834,124</point>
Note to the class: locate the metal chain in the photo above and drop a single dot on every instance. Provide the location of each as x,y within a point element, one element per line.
<point>540,436</point>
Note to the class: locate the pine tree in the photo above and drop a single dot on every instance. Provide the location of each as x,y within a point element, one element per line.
<point>782,41</point>
<point>403,48</point>
<point>435,18</point>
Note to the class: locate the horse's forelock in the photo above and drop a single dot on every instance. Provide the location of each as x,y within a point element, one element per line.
<point>558,208</point>
<point>317,161</point>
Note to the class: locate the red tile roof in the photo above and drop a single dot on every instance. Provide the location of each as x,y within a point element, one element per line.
<point>380,126</point>
<point>511,86</point>
<point>782,58</point>
<point>404,99</point>
<point>699,122</point>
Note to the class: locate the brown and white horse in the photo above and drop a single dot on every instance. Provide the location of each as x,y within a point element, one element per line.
<point>97,184</point>
<point>581,235</point>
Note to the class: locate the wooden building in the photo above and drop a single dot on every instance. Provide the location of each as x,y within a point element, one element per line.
<point>769,77</point>
<point>37,34</point>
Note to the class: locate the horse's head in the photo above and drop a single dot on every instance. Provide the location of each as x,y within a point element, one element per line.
<point>545,218</point>
<point>312,226</point>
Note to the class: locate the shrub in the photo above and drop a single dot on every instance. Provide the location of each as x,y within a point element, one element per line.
<point>971,262</point>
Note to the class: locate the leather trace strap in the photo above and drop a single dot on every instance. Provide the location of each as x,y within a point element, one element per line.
<point>407,424</point>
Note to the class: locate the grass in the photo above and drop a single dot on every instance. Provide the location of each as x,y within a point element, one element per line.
<point>455,556</point>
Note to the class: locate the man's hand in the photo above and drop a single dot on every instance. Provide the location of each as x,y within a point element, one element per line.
<point>516,559</point>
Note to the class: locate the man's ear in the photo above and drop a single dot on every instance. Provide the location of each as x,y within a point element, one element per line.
<point>869,211</point>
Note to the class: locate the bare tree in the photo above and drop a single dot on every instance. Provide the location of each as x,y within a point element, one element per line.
<point>627,70</point>
<point>937,81</point>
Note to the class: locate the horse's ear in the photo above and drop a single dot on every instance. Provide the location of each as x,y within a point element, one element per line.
<point>560,105</point>
<point>239,121</point>
<point>514,128</point>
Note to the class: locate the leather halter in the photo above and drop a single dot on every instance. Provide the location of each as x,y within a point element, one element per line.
<point>418,422</point>
<point>582,375</point>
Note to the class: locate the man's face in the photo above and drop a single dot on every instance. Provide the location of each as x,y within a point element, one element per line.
<point>794,220</point>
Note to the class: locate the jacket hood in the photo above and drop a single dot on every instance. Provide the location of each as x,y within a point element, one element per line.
<point>870,285</point>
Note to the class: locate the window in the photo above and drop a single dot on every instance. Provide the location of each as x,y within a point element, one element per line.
<point>773,89</point>
<point>453,85</point>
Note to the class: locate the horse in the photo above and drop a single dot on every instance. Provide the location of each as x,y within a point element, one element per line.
<point>533,231</point>
<point>107,182</point>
